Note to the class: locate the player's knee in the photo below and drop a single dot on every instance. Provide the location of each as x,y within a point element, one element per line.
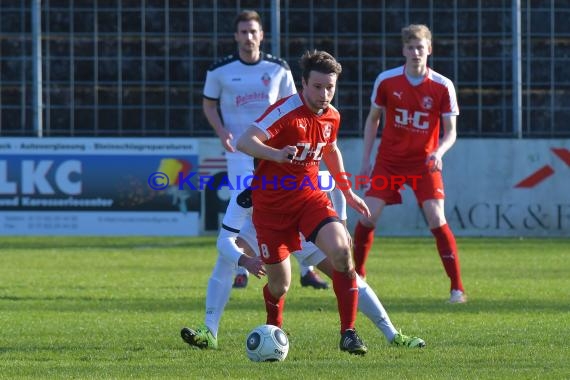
<point>227,248</point>
<point>278,290</point>
<point>367,222</point>
<point>226,240</point>
<point>436,221</point>
<point>221,244</point>
<point>223,271</point>
<point>341,259</point>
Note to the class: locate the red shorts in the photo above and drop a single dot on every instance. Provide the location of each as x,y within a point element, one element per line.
<point>278,234</point>
<point>387,181</point>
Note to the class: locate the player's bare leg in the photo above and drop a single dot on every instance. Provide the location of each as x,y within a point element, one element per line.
<point>370,305</point>
<point>332,239</point>
<point>278,283</point>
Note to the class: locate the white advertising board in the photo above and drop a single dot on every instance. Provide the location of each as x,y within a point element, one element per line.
<point>493,188</point>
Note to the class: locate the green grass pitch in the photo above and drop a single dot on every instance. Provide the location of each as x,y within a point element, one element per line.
<point>93,308</point>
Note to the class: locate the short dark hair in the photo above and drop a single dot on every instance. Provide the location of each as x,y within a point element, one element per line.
<point>320,61</point>
<point>247,15</point>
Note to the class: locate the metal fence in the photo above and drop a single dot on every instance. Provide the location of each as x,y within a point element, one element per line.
<point>136,68</point>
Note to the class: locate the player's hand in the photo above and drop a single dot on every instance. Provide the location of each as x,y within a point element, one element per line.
<point>254,265</point>
<point>226,138</point>
<point>365,173</point>
<point>434,162</point>
<point>357,203</point>
<point>286,154</point>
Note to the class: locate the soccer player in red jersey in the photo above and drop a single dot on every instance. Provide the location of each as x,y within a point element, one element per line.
<point>289,140</point>
<point>237,90</point>
<point>413,99</point>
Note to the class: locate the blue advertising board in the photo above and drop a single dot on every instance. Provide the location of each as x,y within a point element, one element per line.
<point>97,187</point>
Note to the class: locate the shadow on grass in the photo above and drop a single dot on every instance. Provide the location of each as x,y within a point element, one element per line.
<point>481,305</point>
<point>92,242</point>
<point>101,305</point>
<point>439,305</point>
<point>187,304</point>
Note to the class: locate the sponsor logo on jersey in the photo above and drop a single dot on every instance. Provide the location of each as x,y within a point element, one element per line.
<point>327,130</point>
<point>254,97</point>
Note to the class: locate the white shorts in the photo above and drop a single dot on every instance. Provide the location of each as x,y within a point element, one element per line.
<point>240,167</point>
<point>240,171</point>
<point>309,255</point>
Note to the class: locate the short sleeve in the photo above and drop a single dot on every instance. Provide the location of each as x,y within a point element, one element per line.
<point>212,86</point>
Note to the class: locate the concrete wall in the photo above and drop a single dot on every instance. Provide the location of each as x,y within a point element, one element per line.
<point>105,187</point>
<point>482,196</point>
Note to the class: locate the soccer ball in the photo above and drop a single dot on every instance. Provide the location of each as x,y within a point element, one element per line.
<point>267,343</point>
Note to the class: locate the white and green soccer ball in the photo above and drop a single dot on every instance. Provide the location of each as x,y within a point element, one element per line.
<point>267,343</point>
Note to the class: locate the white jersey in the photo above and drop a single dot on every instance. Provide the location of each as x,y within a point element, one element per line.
<point>245,90</point>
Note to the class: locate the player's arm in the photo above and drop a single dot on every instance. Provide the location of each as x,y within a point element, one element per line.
<point>435,159</point>
<point>236,254</point>
<point>252,142</point>
<point>370,131</point>
<point>210,108</point>
<point>333,159</point>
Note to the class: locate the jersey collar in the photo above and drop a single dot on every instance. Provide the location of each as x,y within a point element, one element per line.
<point>261,57</point>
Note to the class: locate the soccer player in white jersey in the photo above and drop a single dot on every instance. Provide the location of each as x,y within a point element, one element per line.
<point>242,86</point>
<point>368,301</point>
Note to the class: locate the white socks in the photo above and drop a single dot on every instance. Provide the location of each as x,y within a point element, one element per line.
<point>370,305</point>
<point>218,293</point>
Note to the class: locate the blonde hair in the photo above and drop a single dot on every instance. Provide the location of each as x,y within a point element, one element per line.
<point>415,32</point>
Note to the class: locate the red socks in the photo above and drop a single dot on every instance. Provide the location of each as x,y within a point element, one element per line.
<point>446,246</point>
<point>274,308</point>
<point>344,285</point>
<point>363,239</point>
<point>346,291</point>
<point>447,249</point>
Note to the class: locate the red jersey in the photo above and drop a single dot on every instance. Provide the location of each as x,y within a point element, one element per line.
<point>286,187</point>
<point>412,114</point>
